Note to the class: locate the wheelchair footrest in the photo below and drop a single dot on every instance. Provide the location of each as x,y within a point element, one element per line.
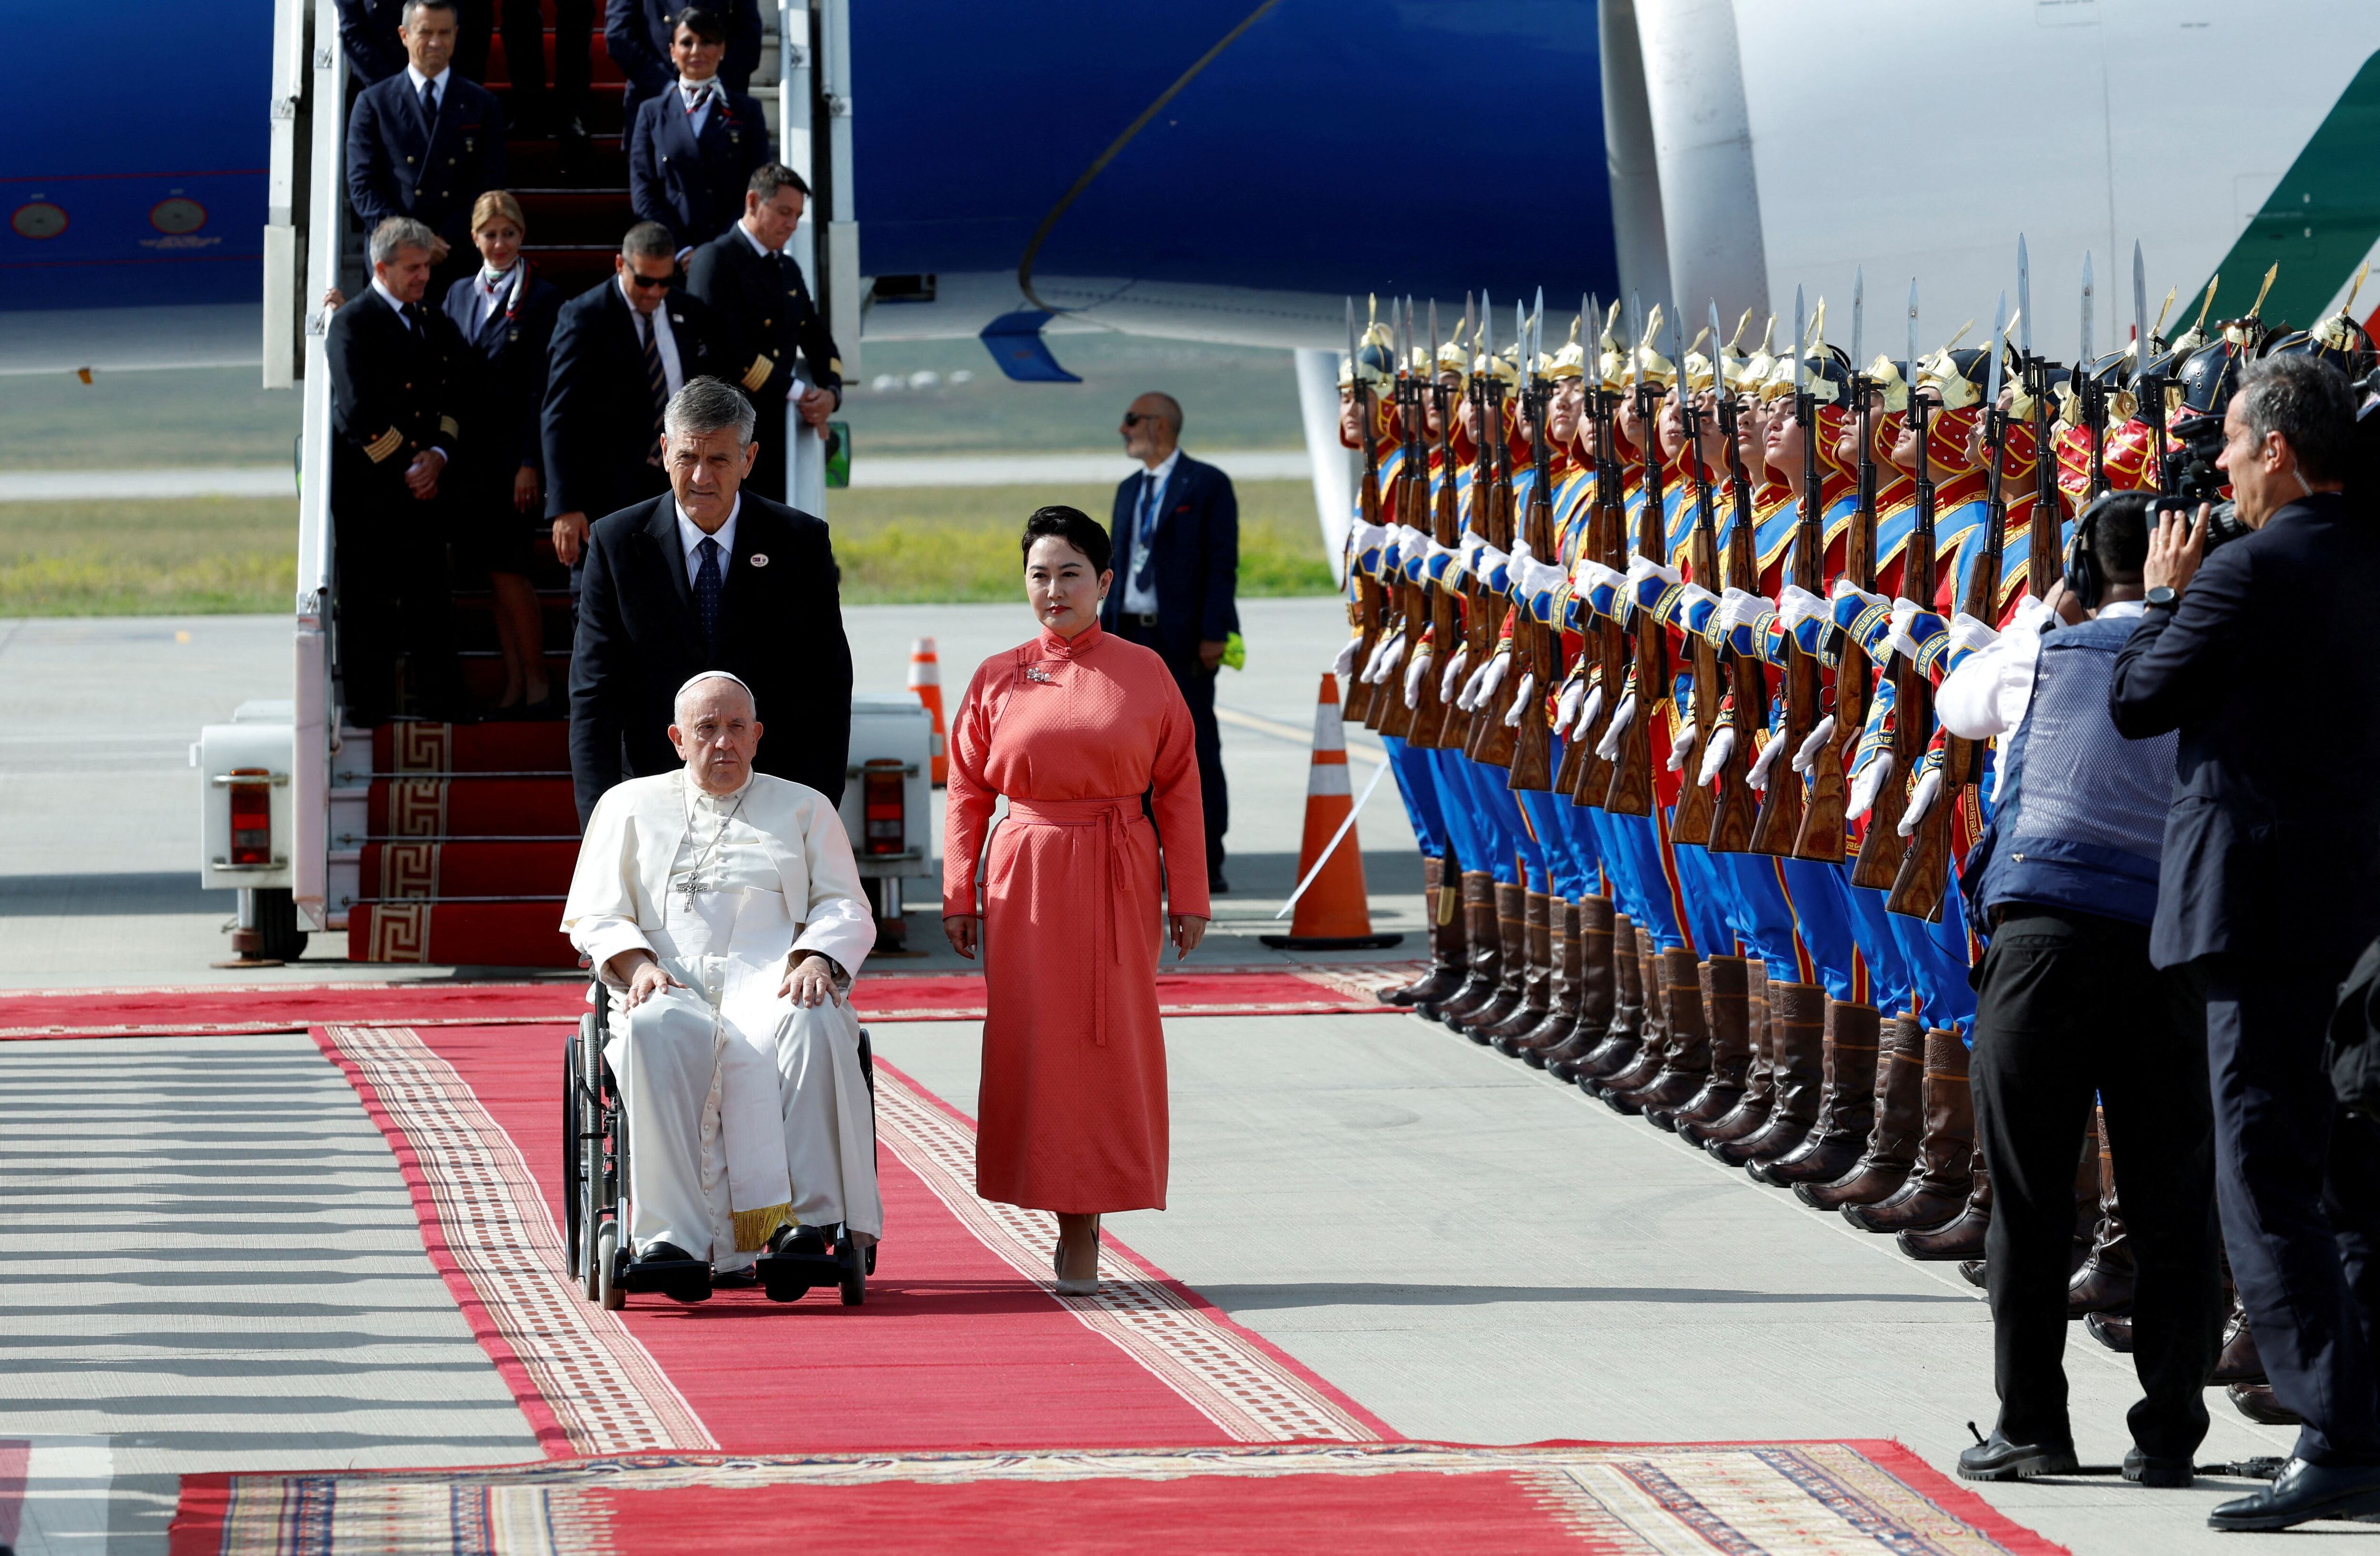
<point>686,1280</point>
<point>787,1277</point>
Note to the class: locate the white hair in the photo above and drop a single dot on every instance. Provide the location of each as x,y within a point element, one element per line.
<point>678,704</point>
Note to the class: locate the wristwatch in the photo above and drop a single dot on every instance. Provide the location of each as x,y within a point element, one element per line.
<point>2161,596</point>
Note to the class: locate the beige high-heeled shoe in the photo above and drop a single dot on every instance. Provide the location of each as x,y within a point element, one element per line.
<point>1058,1266</point>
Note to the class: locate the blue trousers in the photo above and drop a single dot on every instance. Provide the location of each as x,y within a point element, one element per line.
<point>1937,957</point>
<point>1819,896</point>
<point>1417,778</point>
<point>1572,857</point>
<point>1641,842</point>
<point>1890,984</point>
<point>1518,858</point>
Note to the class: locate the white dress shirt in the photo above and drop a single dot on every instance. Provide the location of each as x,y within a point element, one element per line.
<point>1991,691</point>
<point>672,374</point>
<point>417,78</point>
<point>1148,509</point>
<point>690,537</point>
<point>390,298</point>
<point>796,385</point>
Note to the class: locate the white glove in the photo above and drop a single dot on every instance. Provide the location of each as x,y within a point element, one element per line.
<point>1437,550</point>
<point>1895,636</point>
<point>1844,589</point>
<point>1715,755</point>
<point>1415,674</point>
<point>1868,784</point>
<point>1489,560</point>
<point>1811,744</point>
<point>1588,710</point>
<point>1345,663</point>
<point>1411,542</point>
<point>2030,614</point>
<point>1680,747</point>
<point>1466,555</point>
<point>1522,696</point>
<point>1641,567</point>
<point>1595,575</point>
<point>1386,658</point>
<point>1766,759</point>
<point>1693,594</point>
<point>1531,578</point>
<point>1445,688</point>
<point>1483,686</point>
<point>1566,710</point>
<point>1367,537</point>
<point>1968,635</point>
<point>1608,747</point>
<point>1795,606</point>
<point>1921,799</point>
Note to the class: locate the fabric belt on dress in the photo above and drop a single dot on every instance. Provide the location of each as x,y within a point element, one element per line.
<point>1112,816</point>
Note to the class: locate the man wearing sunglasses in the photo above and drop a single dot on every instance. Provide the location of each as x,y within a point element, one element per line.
<point>620,351</point>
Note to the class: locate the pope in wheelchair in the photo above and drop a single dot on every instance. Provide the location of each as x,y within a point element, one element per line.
<point>725,917</point>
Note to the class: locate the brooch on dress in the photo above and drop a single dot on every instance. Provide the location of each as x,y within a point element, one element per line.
<point>1035,673</point>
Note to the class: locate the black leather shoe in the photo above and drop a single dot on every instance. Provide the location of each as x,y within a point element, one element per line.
<point>1995,1458</point>
<point>1971,1271</point>
<point>2145,1469</point>
<point>671,1270</point>
<point>2300,1494</point>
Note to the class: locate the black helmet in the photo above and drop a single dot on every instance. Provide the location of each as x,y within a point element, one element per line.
<point>2341,348</point>
<point>2207,379</point>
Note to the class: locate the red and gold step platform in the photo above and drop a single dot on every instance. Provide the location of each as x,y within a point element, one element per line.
<point>470,831</point>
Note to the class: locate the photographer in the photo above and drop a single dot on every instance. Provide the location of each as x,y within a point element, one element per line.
<point>2262,660</point>
<point>2069,1006</point>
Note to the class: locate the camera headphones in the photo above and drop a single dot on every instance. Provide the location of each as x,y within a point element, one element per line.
<point>2084,575</point>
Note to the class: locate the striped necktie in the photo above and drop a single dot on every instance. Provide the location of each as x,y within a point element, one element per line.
<point>655,379</point>
<point>708,586</point>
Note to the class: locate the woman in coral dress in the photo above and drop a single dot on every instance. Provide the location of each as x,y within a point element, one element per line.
<point>1073,728</point>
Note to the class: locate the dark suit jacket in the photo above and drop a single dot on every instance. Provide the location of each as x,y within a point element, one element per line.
<point>695,187</point>
<point>395,391</point>
<point>639,641</point>
<point>768,326</point>
<point>504,361</point>
<point>2269,670</point>
<point>598,415</point>
<point>1197,558</point>
<point>368,33</point>
<point>637,36</point>
<point>399,166</point>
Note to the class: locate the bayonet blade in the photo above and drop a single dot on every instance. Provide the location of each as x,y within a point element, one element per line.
<point>1999,329</point>
<point>1859,296</point>
<point>1352,379</point>
<point>2082,362</point>
<point>1537,327</point>
<point>1487,328</point>
<point>1433,340</point>
<point>1801,361</point>
<point>1718,354</point>
<point>1912,369</point>
<point>1635,343</point>
<point>2024,300</point>
<point>2140,317</point>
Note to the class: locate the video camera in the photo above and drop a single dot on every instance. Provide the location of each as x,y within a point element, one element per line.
<point>2190,478</point>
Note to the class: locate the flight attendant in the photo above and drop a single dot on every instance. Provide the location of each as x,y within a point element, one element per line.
<point>1073,728</point>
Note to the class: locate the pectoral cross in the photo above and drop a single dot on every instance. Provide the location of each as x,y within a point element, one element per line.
<point>691,887</point>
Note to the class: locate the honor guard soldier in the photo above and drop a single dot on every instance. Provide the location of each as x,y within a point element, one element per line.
<point>773,339</point>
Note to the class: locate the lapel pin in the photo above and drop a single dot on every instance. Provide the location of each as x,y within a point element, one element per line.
<point>760,559</point>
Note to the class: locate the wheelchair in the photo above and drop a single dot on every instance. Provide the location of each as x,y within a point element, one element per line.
<point>595,1145</point>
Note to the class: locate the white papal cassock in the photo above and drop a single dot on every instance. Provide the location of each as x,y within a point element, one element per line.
<point>747,1110</point>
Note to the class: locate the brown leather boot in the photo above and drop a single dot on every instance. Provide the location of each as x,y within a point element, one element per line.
<point>1446,970</point>
<point>1512,958</point>
<point>1687,1064</point>
<point>1846,1108</point>
<point>1724,1005</point>
<point>2239,1363</point>
<point>1484,974</point>
<point>1596,986</point>
<point>1536,984</point>
<point>1796,1025</point>
<point>1634,1070</point>
<point>2104,1284</point>
<point>1962,1236</point>
<point>1563,989</point>
<point>1937,1186</point>
<point>1891,1149</point>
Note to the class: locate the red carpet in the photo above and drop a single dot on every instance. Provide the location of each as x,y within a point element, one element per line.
<point>1826,1499</point>
<point>293,1007</point>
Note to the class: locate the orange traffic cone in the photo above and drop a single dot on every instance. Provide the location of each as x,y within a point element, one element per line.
<point>926,680</point>
<point>1331,913</point>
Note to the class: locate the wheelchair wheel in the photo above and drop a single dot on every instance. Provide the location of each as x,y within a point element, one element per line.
<point>607,1265</point>
<point>574,1241</point>
<point>855,1270</point>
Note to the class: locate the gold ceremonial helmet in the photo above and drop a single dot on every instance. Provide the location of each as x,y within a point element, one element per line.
<point>1885,373</point>
<point>1946,374</point>
<point>1651,365</point>
<point>2341,331</point>
<point>1375,349</point>
<point>1612,363</point>
<point>1453,356</point>
<point>1700,372</point>
<point>1750,374</point>
<point>1504,367</point>
<point>1567,363</point>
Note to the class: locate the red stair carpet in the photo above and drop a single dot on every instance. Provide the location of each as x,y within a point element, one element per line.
<point>470,833</point>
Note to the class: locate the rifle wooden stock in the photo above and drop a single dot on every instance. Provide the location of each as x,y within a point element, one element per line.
<point>1826,793</point>
<point>1535,651</point>
<point>1364,615</point>
<point>1607,542</point>
<point>1777,829</point>
<point>2042,561</point>
<point>1631,771</point>
<point>1879,865</point>
<point>1433,727</point>
<point>1698,802</point>
<point>1492,741</point>
<point>1408,612</point>
<point>1738,812</point>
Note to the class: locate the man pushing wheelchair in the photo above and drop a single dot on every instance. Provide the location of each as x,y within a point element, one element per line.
<point>723,915</point>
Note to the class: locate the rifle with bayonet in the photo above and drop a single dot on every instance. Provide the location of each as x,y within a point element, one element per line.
<point>1605,542</point>
<point>1925,877</point>
<point>1630,793</point>
<point>2043,564</point>
<point>1826,791</point>
<point>1536,655</point>
<point>1777,829</point>
<point>2090,394</point>
<point>1404,599</point>
<point>1697,803</point>
<point>1738,813</point>
<point>1491,739</point>
<point>1438,608</point>
<point>1879,865</point>
<point>1365,612</point>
